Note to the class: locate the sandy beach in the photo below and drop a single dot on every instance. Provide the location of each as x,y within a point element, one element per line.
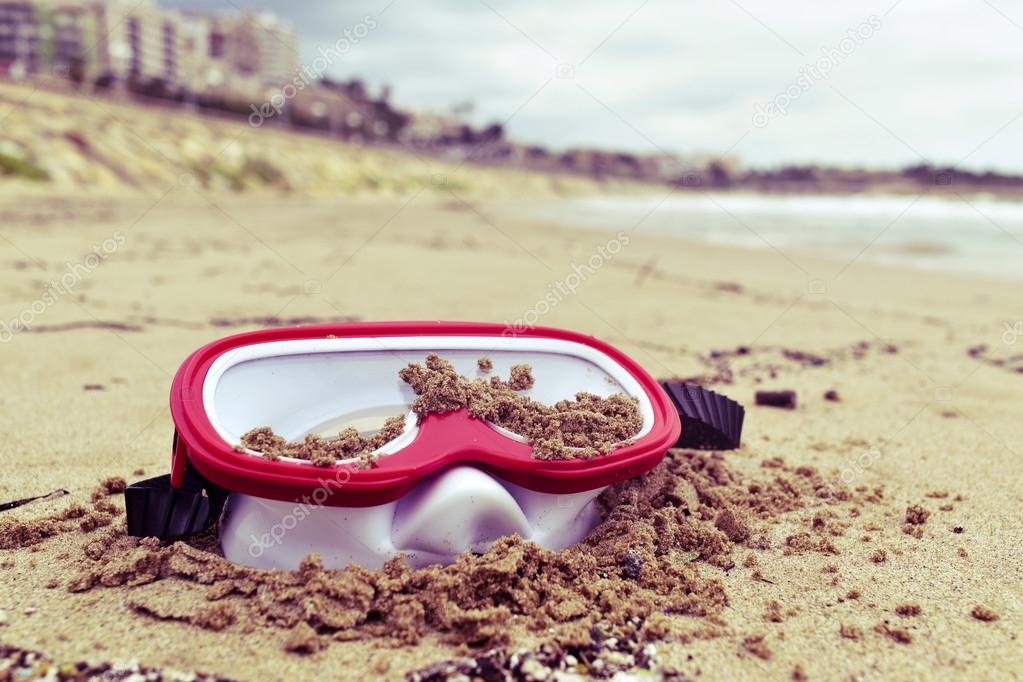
<point>917,413</point>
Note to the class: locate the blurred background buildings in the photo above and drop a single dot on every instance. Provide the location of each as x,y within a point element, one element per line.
<point>143,47</point>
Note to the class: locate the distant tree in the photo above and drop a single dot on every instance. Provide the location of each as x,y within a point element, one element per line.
<point>719,176</point>
<point>493,133</point>
<point>355,89</point>
<point>796,174</point>
<point>76,71</point>
<point>104,81</point>
<point>923,173</point>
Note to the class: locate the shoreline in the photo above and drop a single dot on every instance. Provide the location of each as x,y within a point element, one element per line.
<point>937,234</point>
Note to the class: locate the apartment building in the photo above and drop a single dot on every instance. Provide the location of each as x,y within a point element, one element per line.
<point>123,40</point>
<point>137,43</point>
<point>69,40</point>
<point>19,38</point>
<point>52,38</point>
<point>249,53</point>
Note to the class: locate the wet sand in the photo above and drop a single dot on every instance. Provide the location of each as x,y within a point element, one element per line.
<point>86,392</point>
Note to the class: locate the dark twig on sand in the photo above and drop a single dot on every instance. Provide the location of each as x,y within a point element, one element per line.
<point>59,492</point>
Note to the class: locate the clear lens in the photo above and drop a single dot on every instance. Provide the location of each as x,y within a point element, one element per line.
<point>324,385</point>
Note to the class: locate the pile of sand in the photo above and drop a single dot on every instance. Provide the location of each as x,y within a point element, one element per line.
<point>324,452</point>
<point>639,565</point>
<point>586,427</point>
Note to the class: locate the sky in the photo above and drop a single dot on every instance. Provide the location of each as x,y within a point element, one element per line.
<point>870,84</point>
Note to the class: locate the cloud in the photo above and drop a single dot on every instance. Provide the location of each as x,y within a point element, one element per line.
<point>936,80</point>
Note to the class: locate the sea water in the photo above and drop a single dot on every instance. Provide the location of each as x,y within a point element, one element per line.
<point>968,234</point>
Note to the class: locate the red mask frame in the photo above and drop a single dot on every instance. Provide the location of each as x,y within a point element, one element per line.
<point>442,441</point>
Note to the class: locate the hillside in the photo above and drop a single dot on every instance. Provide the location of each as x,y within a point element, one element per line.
<point>72,142</point>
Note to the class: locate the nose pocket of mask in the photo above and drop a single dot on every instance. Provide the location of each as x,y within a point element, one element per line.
<point>460,510</point>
